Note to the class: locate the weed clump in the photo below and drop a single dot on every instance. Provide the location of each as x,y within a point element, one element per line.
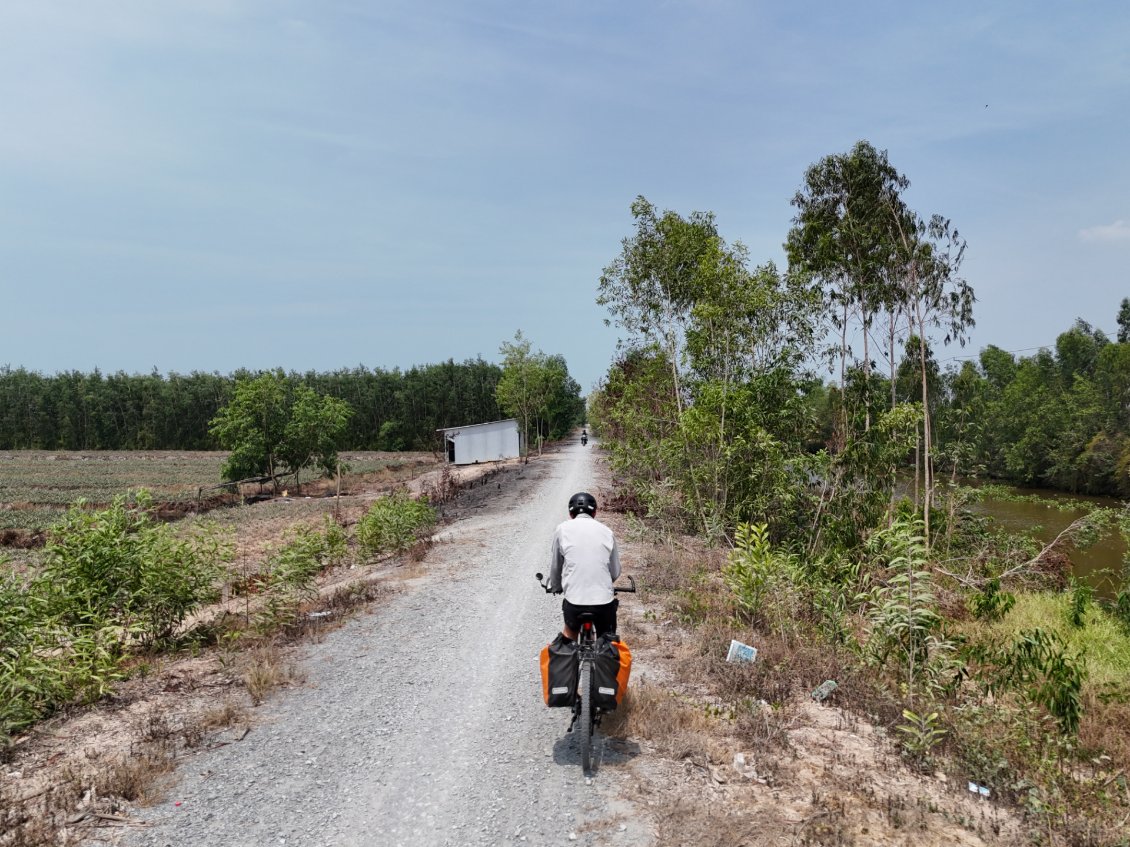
<point>116,583</point>
<point>394,524</point>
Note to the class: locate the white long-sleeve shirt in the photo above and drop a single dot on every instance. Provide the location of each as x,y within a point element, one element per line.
<point>584,561</point>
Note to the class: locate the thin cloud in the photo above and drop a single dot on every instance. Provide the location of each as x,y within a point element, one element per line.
<point>1107,233</point>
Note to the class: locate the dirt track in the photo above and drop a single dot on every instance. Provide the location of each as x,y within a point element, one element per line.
<point>422,723</point>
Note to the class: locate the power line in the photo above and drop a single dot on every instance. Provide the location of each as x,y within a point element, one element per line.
<point>1022,349</point>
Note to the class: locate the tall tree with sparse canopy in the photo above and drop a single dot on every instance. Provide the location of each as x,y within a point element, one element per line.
<point>873,253</point>
<point>844,236</point>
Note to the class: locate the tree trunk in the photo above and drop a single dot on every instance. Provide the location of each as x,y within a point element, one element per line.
<point>894,396</point>
<point>927,469</point>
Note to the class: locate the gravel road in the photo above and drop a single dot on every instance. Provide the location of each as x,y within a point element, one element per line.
<point>422,723</point>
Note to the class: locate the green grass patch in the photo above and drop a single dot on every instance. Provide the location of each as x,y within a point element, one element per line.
<point>1103,642</point>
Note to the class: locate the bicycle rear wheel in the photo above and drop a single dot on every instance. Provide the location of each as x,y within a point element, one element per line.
<point>585,721</point>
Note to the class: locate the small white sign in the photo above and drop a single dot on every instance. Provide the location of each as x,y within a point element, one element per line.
<point>611,691</point>
<point>741,652</point>
<point>564,689</point>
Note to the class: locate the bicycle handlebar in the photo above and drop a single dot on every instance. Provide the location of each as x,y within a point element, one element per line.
<point>616,589</point>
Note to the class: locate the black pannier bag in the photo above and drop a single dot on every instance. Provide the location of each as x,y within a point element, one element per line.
<point>610,672</point>
<point>559,663</point>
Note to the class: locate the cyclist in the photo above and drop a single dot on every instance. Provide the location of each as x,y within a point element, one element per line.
<point>584,562</point>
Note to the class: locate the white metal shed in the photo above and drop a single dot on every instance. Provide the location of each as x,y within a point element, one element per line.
<point>485,442</point>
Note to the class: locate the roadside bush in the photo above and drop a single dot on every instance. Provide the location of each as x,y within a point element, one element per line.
<point>1038,665</point>
<point>905,626</point>
<point>764,581</point>
<point>113,579</point>
<point>293,570</point>
<point>119,567</point>
<point>393,524</point>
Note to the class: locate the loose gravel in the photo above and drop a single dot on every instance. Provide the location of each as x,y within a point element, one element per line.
<point>422,723</point>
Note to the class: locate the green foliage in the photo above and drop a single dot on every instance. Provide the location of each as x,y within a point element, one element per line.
<point>903,609</point>
<point>393,524</point>
<point>313,431</point>
<point>272,431</point>
<point>119,566</point>
<point>703,411</point>
<point>392,410</point>
<point>1122,607</point>
<point>992,604</point>
<point>113,581</point>
<point>1081,594</point>
<point>293,571</point>
<point>1056,418</point>
<point>860,480</point>
<point>756,574</point>
<point>1038,665</point>
<point>921,733</point>
<point>537,390</point>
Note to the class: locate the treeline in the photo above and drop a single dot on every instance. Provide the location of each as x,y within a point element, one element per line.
<point>1059,418</point>
<point>392,410</point>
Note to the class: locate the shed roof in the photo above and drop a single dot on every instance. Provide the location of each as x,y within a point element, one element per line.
<point>473,426</point>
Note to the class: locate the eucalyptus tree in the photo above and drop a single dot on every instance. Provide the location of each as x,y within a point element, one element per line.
<point>537,390</point>
<point>1077,350</point>
<point>730,339</point>
<point>843,236</point>
<point>650,289</point>
<point>935,297</point>
<point>871,252</point>
<point>520,388</point>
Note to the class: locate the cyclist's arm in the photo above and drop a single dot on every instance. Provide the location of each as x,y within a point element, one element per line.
<point>556,559</point>
<point>614,562</point>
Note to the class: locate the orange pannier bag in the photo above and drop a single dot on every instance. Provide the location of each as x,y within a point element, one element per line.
<point>611,671</point>
<point>559,670</point>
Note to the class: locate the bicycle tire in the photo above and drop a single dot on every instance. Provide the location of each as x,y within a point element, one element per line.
<point>586,714</point>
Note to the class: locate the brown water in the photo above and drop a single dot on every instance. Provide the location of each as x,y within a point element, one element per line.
<point>1099,564</point>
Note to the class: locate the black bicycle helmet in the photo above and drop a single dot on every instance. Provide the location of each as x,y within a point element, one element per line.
<point>582,502</point>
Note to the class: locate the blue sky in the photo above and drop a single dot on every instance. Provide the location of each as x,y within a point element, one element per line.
<point>215,184</point>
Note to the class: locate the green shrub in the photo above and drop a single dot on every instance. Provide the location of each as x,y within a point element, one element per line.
<point>1038,665</point>
<point>394,524</point>
<point>113,579</point>
<point>293,571</point>
<point>1081,594</point>
<point>905,625</point>
<point>764,581</point>
<point>120,567</point>
<point>992,604</point>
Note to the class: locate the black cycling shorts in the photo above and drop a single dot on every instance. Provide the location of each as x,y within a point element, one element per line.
<point>604,617</point>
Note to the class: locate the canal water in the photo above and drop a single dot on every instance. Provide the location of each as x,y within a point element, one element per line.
<point>1099,564</point>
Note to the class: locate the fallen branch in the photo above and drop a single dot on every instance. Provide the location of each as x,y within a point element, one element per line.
<point>1067,534</point>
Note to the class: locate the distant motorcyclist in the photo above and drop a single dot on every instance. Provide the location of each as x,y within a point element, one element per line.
<point>584,437</point>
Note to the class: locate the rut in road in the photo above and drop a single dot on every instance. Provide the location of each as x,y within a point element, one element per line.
<point>422,723</point>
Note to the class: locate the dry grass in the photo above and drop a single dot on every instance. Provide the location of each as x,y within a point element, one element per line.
<point>1105,727</point>
<point>679,727</point>
<point>138,778</point>
<point>199,727</point>
<point>265,670</point>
